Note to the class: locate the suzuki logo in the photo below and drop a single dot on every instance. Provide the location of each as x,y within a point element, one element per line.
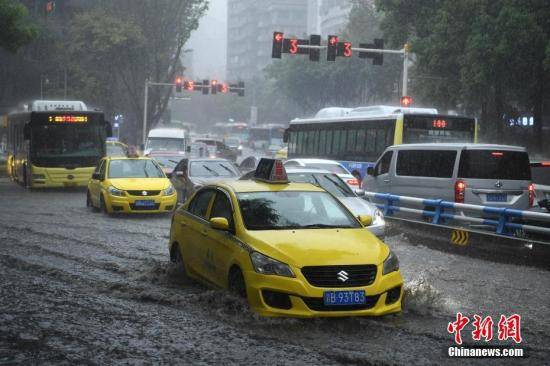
<point>498,184</point>
<point>343,276</point>
<point>144,193</point>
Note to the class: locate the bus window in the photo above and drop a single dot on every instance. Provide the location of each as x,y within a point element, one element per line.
<point>329,142</point>
<point>336,142</point>
<point>316,142</point>
<point>380,140</point>
<point>343,146</point>
<point>350,146</point>
<point>360,144</point>
<point>371,140</point>
<point>300,143</point>
<point>292,143</point>
<point>322,142</point>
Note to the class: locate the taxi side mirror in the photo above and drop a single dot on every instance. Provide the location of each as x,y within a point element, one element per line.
<point>365,220</point>
<point>219,223</point>
<point>96,176</point>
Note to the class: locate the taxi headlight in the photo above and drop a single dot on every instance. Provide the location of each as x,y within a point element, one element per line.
<point>169,191</point>
<point>378,218</point>
<point>269,266</point>
<point>115,192</point>
<point>391,264</point>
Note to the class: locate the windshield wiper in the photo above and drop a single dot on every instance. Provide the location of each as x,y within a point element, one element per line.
<point>173,161</point>
<point>346,193</point>
<point>323,226</point>
<point>211,170</point>
<point>226,168</point>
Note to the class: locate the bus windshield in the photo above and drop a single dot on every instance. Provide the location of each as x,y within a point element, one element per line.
<point>67,142</point>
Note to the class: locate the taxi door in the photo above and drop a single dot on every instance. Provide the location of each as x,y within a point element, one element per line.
<point>193,227</point>
<point>95,183</point>
<point>221,245</point>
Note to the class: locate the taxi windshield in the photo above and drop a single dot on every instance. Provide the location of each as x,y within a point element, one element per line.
<point>293,210</point>
<point>134,168</point>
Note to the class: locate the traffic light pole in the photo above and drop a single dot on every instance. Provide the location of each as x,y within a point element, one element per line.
<point>404,51</point>
<point>147,84</point>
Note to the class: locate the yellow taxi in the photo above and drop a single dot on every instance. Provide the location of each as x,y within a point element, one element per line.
<point>292,249</point>
<point>128,185</point>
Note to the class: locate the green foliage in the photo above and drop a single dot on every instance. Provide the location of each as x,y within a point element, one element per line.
<point>16,31</point>
<point>487,57</point>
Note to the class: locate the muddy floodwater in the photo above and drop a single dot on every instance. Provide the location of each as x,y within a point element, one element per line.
<point>79,287</point>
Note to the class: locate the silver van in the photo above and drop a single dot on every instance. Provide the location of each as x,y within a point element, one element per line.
<point>479,174</point>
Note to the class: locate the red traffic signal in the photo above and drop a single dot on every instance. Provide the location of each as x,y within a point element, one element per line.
<point>406,101</point>
<point>223,88</point>
<point>214,86</point>
<point>179,82</point>
<point>332,48</point>
<point>189,85</point>
<point>277,48</point>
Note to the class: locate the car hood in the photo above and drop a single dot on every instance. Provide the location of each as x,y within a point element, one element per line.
<point>134,184</point>
<point>314,247</point>
<point>358,206</point>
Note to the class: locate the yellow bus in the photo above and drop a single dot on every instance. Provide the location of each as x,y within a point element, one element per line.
<point>51,146</point>
<point>357,137</point>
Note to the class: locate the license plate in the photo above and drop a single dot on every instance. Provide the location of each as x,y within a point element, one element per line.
<point>344,297</point>
<point>144,203</point>
<point>497,197</point>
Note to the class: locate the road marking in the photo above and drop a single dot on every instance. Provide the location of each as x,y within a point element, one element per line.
<point>460,237</point>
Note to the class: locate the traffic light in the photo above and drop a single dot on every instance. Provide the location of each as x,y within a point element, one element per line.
<point>214,86</point>
<point>241,89</point>
<point>332,48</point>
<point>377,58</point>
<point>406,101</point>
<point>189,85</point>
<point>49,7</point>
<point>205,86</point>
<point>344,49</point>
<point>223,88</point>
<point>314,40</point>
<point>179,82</point>
<point>277,48</point>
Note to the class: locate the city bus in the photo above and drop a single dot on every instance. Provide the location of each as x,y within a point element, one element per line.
<point>263,136</point>
<point>55,144</point>
<point>357,137</point>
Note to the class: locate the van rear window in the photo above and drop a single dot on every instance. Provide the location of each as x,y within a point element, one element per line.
<point>541,174</point>
<point>426,163</point>
<point>492,164</point>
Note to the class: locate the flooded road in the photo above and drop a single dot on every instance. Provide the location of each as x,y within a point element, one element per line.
<point>79,287</point>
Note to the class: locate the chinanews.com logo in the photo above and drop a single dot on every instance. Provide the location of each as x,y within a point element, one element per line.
<point>508,329</point>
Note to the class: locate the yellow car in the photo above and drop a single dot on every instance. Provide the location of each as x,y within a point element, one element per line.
<point>125,185</point>
<point>291,249</point>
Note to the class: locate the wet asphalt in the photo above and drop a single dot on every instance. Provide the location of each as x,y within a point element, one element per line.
<point>79,287</point>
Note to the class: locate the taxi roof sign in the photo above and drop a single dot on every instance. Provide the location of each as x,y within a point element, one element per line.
<point>271,171</point>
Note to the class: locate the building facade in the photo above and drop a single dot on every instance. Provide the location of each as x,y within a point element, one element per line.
<point>250,27</point>
<point>333,16</point>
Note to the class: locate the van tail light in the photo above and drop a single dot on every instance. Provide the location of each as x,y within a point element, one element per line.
<point>531,195</point>
<point>460,191</point>
<point>353,182</point>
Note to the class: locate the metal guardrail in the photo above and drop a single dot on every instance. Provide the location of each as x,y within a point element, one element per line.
<point>445,210</point>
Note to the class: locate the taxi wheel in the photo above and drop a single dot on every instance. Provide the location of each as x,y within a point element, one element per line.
<point>102,205</point>
<point>89,202</point>
<point>236,282</point>
<point>177,258</point>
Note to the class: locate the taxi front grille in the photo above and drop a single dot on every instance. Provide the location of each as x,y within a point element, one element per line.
<point>318,304</point>
<point>340,276</point>
<point>140,193</point>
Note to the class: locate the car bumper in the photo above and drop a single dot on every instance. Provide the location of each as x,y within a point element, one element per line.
<point>116,204</point>
<point>306,301</point>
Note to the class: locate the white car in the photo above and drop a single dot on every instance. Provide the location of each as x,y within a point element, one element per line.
<point>329,165</point>
<point>332,183</point>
